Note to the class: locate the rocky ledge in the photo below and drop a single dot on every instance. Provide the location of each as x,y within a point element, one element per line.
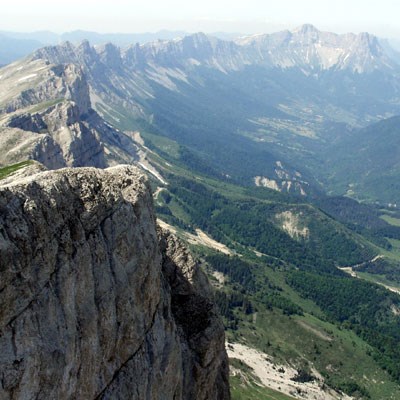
<point>95,303</point>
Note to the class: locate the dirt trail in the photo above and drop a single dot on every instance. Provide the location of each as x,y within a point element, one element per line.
<point>350,271</point>
<point>315,331</point>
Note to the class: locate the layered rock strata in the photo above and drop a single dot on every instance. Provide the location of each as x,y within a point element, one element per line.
<point>46,115</point>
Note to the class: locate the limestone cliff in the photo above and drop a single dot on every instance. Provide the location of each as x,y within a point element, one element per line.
<point>46,115</point>
<point>94,302</point>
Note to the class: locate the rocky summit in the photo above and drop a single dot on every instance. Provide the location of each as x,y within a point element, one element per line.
<point>97,303</point>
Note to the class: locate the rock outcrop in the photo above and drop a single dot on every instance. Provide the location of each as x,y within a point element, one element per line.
<point>46,115</point>
<point>94,302</point>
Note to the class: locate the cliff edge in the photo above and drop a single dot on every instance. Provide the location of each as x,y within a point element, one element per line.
<point>95,303</point>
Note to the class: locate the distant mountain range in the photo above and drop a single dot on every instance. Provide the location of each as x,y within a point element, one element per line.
<point>273,102</point>
<point>305,47</point>
<point>15,45</point>
<point>12,48</point>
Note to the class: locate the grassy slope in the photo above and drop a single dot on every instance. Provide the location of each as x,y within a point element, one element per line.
<point>247,389</point>
<point>391,220</point>
<point>9,169</point>
<point>366,163</point>
<point>309,342</point>
<point>337,353</point>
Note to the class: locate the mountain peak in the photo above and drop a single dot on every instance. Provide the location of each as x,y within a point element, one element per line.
<point>197,39</point>
<point>110,54</point>
<point>306,29</point>
<point>84,44</point>
<point>367,38</point>
<point>199,36</point>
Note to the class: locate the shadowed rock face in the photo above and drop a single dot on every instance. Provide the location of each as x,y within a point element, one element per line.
<point>94,302</point>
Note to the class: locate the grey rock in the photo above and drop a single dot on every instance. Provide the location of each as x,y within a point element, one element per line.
<point>94,303</point>
<point>51,104</point>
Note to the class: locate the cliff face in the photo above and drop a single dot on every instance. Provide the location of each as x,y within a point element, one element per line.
<point>94,302</point>
<point>46,115</point>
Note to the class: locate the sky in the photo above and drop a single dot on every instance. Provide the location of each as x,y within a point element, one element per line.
<point>245,16</point>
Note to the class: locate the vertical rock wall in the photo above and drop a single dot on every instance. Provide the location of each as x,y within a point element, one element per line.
<point>93,302</point>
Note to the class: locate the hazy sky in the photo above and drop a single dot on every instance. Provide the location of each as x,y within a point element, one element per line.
<point>247,16</point>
